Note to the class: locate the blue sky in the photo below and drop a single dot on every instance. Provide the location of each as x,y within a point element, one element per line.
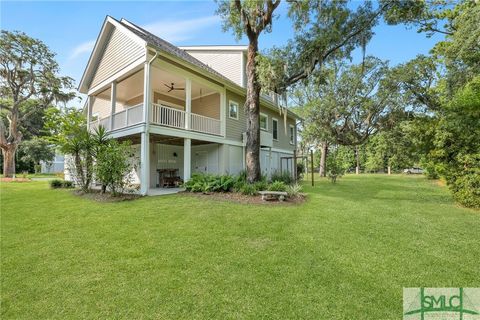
<point>70,28</point>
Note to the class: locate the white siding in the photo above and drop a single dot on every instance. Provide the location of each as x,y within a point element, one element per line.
<point>227,63</point>
<point>120,51</point>
<point>271,162</point>
<point>211,152</point>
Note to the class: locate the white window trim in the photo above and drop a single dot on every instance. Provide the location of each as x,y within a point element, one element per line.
<point>238,109</point>
<point>275,119</point>
<point>266,122</point>
<point>291,138</point>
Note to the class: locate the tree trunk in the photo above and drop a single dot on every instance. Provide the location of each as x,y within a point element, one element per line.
<point>9,143</point>
<point>323,158</point>
<point>357,156</point>
<point>252,112</point>
<point>9,161</point>
<point>389,169</point>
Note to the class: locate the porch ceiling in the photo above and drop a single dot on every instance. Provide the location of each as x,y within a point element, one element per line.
<point>132,86</point>
<point>163,139</point>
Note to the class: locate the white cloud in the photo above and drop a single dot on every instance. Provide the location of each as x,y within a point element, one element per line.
<point>81,49</point>
<point>175,30</point>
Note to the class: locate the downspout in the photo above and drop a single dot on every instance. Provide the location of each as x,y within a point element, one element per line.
<point>149,79</point>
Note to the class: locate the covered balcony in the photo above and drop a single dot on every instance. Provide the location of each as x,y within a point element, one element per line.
<point>175,102</point>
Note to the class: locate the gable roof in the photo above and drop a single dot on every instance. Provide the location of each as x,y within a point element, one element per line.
<point>108,24</point>
<point>167,47</point>
<point>146,38</point>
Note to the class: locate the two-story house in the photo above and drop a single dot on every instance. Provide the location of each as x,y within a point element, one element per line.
<point>181,108</point>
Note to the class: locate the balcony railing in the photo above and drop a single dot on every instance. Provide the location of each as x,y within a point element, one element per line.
<point>166,116</point>
<point>205,124</point>
<point>161,115</point>
<point>122,119</point>
<point>175,118</point>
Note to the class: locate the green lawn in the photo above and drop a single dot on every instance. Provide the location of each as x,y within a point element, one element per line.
<point>344,254</point>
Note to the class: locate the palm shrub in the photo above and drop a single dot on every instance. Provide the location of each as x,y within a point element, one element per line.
<point>294,190</point>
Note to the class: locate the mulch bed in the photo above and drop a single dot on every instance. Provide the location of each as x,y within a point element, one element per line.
<point>96,195</point>
<point>241,198</point>
<point>14,180</point>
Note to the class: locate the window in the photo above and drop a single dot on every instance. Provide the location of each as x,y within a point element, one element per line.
<point>233,110</point>
<point>263,121</point>
<point>275,129</point>
<point>292,134</point>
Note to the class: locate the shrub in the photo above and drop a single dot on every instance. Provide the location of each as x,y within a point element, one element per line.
<point>284,177</point>
<point>210,183</point>
<point>249,189</point>
<point>294,190</point>
<point>465,184</point>
<point>261,185</point>
<point>56,183</point>
<point>334,167</point>
<point>67,184</point>
<point>277,186</point>
<point>300,170</point>
<point>242,176</point>
<point>113,166</point>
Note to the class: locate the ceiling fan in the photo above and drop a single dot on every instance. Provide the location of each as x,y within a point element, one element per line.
<point>171,87</point>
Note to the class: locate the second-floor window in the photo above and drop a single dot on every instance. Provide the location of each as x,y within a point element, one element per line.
<point>292,134</point>
<point>233,110</point>
<point>263,122</point>
<point>275,129</point>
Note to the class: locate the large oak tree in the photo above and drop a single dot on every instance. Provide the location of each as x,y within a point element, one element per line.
<point>28,70</point>
<point>250,18</point>
<point>322,29</point>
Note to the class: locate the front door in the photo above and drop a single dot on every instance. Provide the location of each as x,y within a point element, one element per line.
<point>200,163</point>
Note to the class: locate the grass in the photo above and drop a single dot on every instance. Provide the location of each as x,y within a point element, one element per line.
<point>37,175</point>
<point>344,254</point>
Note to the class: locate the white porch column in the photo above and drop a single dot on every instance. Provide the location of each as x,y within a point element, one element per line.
<point>144,163</point>
<point>113,102</point>
<point>89,110</point>
<point>146,93</point>
<point>223,111</point>
<point>187,159</point>
<point>188,103</point>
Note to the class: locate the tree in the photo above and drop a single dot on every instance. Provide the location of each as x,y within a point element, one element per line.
<point>448,88</point>
<point>37,150</point>
<point>391,149</point>
<point>68,130</point>
<point>250,18</point>
<point>324,31</point>
<point>311,107</point>
<point>27,70</point>
<point>346,104</point>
